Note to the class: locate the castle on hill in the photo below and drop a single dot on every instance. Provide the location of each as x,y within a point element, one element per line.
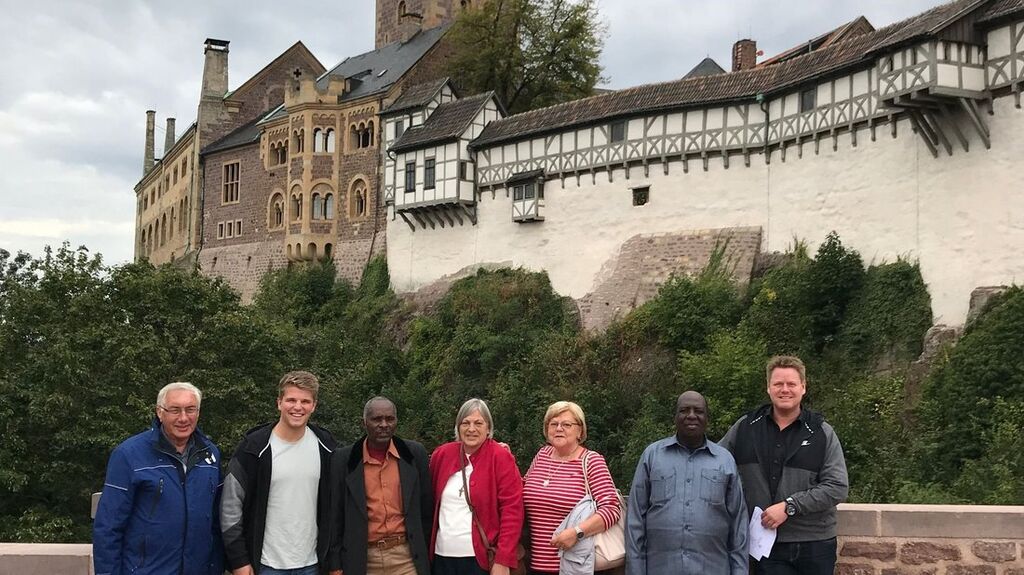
<point>904,139</point>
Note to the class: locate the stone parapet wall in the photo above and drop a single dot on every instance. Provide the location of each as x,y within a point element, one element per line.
<point>45,559</point>
<point>930,540</point>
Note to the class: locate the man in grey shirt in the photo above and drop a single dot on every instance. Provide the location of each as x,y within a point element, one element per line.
<point>686,508</point>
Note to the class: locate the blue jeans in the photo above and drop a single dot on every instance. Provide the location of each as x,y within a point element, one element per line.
<point>804,558</point>
<point>309,570</point>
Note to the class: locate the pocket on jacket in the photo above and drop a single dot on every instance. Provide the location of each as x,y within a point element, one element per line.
<point>712,486</point>
<point>663,488</point>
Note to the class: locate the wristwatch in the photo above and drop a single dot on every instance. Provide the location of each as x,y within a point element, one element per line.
<point>790,507</point>
<point>579,532</point>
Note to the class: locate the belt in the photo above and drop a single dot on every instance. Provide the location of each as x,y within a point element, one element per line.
<point>387,542</point>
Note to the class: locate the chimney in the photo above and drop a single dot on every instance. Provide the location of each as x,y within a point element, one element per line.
<point>744,55</point>
<point>169,136</point>
<point>215,69</point>
<point>147,161</point>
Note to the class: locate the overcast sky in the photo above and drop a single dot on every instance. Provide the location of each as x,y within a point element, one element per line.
<point>76,78</point>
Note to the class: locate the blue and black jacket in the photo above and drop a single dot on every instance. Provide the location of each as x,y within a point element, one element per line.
<point>154,515</point>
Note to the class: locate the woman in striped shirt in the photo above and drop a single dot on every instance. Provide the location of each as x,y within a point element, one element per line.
<point>555,484</point>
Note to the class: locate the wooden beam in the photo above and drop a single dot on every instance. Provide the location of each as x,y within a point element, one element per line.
<point>925,138</point>
<point>411,225</point>
<point>420,220</point>
<point>975,117</point>
<point>951,122</point>
<point>936,129</point>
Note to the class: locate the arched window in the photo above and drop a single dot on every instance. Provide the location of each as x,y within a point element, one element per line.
<point>297,137</point>
<point>296,204</point>
<point>329,207</point>
<point>317,141</point>
<point>170,232</point>
<point>358,199</point>
<point>142,243</point>
<point>401,10</point>
<point>329,140</point>
<point>318,206</point>
<point>275,218</point>
<point>369,134</point>
<point>149,244</point>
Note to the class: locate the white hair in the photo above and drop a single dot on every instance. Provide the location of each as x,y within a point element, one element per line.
<point>470,406</point>
<point>162,395</point>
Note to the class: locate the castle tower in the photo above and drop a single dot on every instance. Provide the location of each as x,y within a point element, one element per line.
<point>401,19</point>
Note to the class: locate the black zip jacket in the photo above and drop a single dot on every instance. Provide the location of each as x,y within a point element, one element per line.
<point>247,490</point>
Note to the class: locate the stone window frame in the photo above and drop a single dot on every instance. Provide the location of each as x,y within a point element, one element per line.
<point>295,204</point>
<point>231,182</point>
<point>358,198</point>
<point>220,230</point>
<point>276,210</point>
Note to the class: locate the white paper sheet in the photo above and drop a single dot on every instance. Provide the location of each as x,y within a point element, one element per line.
<point>761,539</point>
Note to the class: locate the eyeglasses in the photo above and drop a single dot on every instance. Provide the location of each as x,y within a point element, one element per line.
<point>562,424</point>
<point>176,411</point>
<point>473,424</point>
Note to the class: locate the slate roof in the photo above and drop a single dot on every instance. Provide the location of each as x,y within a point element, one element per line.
<point>743,85</point>
<point>376,71</point>
<point>707,67</point>
<point>448,122</point>
<point>415,96</point>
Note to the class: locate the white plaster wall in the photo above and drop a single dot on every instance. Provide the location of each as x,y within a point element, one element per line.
<point>962,216</point>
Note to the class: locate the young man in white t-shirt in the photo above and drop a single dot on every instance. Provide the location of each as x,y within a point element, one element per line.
<point>274,506</point>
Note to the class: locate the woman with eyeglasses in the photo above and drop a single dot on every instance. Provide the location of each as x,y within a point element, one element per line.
<point>478,499</point>
<point>553,487</point>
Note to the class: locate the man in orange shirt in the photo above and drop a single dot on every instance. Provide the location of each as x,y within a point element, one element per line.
<point>382,503</point>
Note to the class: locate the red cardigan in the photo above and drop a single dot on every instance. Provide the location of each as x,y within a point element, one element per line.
<point>496,489</point>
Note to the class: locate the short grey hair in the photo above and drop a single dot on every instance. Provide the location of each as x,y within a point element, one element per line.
<point>161,396</point>
<point>470,406</point>
<point>366,408</point>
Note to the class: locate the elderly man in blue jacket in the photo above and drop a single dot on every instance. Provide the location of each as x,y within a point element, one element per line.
<point>159,512</point>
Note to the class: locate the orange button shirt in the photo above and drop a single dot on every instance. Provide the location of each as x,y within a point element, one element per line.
<point>383,495</point>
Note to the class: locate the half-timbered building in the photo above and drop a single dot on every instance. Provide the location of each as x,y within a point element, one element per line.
<point>905,140</point>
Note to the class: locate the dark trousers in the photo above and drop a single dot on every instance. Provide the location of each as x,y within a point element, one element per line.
<point>456,566</point>
<point>804,558</point>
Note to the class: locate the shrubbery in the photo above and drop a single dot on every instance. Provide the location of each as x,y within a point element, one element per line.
<point>86,347</point>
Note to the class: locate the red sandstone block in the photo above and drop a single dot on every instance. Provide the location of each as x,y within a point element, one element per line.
<point>994,552</point>
<point>921,552</point>
<point>881,550</point>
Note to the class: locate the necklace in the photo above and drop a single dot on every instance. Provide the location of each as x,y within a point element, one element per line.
<point>559,466</point>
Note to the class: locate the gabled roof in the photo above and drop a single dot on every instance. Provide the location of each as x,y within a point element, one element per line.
<point>377,70</point>
<point>416,96</point>
<point>857,26</point>
<point>449,121</point>
<point>707,67</point>
<point>856,51</point>
<point>297,48</point>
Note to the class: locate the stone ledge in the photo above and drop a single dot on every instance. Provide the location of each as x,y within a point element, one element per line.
<point>40,559</point>
<point>934,521</point>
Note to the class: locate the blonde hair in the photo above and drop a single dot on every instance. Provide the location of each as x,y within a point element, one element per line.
<point>786,361</point>
<point>559,407</point>
<point>301,379</point>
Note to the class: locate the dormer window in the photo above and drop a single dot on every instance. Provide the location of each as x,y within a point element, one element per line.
<point>399,128</point>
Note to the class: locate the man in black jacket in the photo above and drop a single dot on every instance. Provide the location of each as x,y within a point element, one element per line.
<point>276,497</point>
<point>791,465</point>
<point>381,499</point>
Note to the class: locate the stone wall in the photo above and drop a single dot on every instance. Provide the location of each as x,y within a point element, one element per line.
<point>930,540</point>
<point>873,540</point>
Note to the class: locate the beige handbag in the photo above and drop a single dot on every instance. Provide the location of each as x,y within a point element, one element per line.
<point>609,545</point>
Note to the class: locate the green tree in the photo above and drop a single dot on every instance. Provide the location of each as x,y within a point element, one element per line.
<point>531,53</point>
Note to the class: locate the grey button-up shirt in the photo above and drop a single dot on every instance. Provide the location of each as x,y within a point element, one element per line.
<point>686,512</point>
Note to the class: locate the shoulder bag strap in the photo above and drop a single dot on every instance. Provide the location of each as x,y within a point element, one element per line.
<point>586,474</point>
<point>463,459</point>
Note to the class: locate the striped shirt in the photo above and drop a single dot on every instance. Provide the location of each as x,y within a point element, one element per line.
<point>552,488</point>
